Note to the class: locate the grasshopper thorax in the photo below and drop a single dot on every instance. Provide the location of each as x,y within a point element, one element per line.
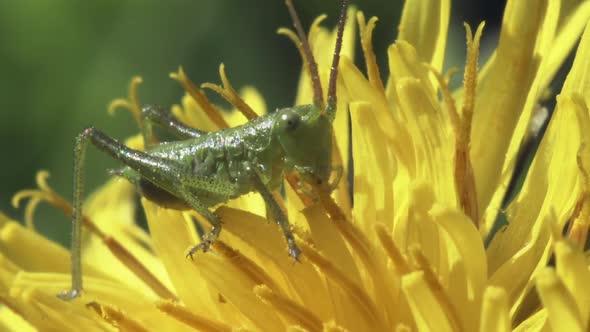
<point>305,136</point>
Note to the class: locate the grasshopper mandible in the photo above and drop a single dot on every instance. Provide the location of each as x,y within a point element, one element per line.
<point>204,169</point>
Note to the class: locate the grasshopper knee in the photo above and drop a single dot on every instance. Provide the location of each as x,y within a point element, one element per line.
<point>100,140</point>
<point>150,110</point>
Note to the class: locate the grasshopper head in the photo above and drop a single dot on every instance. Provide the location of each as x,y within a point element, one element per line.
<point>305,132</point>
<point>305,135</point>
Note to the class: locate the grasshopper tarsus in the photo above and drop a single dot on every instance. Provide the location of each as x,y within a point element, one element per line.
<point>69,295</point>
<point>295,253</point>
<point>203,246</point>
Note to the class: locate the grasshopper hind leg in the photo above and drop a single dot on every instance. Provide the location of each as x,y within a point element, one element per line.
<point>146,165</point>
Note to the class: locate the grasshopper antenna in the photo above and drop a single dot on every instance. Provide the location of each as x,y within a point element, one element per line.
<point>318,99</point>
<point>331,108</point>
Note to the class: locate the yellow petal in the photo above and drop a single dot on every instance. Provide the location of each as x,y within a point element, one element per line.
<point>536,323</point>
<point>545,44</point>
<point>432,139</point>
<point>494,312</point>
<point>200,283</point>
<point>33,252</point>
<point>193,114</point>
<point>322,45</point>
<point>468,265</point>
<point>254,99</point>
<point>34,294</point>
<point>424,24</point>
<point>514,276</point>
<point>112,209</point>
<point>373,178</point>
<point>523,247</point>
<point>354,308</point>
<point>403,63</point>
<point>271,249</point>
<point>252,202</point>
<point>12,322</point>
<point>328,240</point>
<point>578,79</point>
<point>236,287</point>
<point>368,257</point>
<point>360,89</point>
<point>502,95</point>
<point>573,18</point>
<point>426,310</point>
<point>171,238</point>
<point>417,228</point>
<point>572,269</point>
<point>561,306</point>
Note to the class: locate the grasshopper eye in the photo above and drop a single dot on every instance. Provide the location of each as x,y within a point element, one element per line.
<point>289,121</point>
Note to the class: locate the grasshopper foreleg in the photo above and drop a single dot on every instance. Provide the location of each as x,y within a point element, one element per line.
<point>153,114</point>
<point>273,207</point>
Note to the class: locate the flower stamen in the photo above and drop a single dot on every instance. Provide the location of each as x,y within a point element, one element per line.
<point>315,28</point>
<point>293,37</point>
<point>116,318</point>
<point>399,262</point>
<point>448,99</point>
<point>366,37</point>
<point>362,301</point>
<point>464,176</point>
<point>131,104</point>
<point>354,236</point>
<point>228,92</point>
<point>294,181</point>
<point>437,289</point>
<point>244,264</point>
<point>197,322</point>
<point>200,98</point>
<point>30,212</point>
<point>290,309</point>
<point>298,43</point>
<point>360,244</point>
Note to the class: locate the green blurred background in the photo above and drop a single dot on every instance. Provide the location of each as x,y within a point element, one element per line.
<point>63,61</point>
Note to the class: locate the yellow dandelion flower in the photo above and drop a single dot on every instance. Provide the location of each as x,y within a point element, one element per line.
<point>407,252</point>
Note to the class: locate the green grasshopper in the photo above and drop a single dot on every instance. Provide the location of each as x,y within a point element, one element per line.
<point>204,169</point>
